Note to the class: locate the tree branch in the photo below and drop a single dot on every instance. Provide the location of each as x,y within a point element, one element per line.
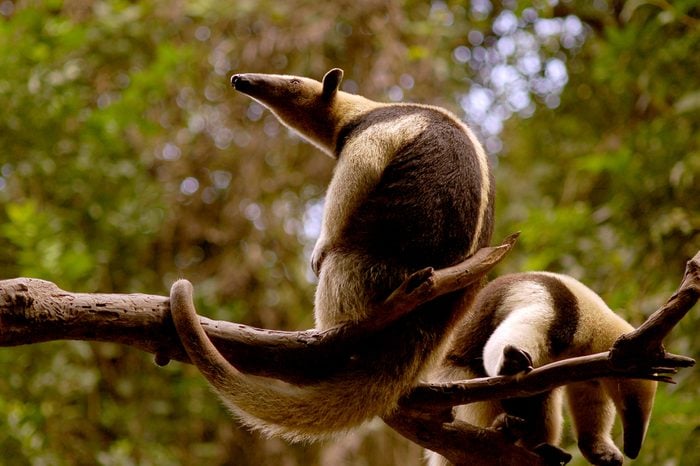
<point>427,397</point>
<point>427,284</point>
<point>34,311</point>
<point>461,443</point>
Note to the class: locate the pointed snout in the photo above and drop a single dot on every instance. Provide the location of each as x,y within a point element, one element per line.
<point>635,414</point>
<point>634,427</point>
<point>239,81</point>
<point>254,84</point>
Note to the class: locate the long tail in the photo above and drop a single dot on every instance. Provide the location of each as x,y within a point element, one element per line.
<point>275,408</point>
<point>196,342</point>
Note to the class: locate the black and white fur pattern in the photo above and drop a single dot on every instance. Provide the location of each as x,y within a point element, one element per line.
<point>532,319</point>
<point>412,188</point>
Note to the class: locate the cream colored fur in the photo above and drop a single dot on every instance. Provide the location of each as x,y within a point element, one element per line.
<point>357,172</point>
<point>331,406</point>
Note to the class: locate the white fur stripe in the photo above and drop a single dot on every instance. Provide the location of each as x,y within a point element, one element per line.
<point>526,315</point>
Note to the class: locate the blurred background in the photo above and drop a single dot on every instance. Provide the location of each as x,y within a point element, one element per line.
<point>127,161</point>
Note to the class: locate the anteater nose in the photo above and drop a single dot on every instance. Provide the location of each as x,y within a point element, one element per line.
<point>242,82</point>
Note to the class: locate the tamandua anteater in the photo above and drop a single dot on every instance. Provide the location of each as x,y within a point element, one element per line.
<point>530,319</point>
<point>412,188</point>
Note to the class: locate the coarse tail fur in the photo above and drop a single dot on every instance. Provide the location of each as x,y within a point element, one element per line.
<point>411,188</point>
<point>527,320</point>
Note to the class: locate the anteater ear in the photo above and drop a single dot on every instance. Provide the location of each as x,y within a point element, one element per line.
<point>331,82</point>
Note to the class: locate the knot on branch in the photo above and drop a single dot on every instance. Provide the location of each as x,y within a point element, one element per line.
<point>16,295</point>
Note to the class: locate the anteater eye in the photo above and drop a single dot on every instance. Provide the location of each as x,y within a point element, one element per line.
<point>295,85</point>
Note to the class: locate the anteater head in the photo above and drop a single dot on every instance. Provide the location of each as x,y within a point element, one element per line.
<point>314,109</point>
<point>273,88</point>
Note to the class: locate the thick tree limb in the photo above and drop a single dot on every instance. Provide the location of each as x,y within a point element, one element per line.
<point>34,311</point>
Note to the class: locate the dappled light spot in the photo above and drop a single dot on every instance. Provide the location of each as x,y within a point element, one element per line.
<point>189,186</point>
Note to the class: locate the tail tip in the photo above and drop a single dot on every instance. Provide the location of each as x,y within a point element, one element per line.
<point>181,284</point>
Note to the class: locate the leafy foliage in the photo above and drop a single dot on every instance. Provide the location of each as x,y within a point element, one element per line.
<point>126,162</point>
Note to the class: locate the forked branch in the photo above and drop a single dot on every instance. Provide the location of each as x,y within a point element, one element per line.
<point>34,311</point>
